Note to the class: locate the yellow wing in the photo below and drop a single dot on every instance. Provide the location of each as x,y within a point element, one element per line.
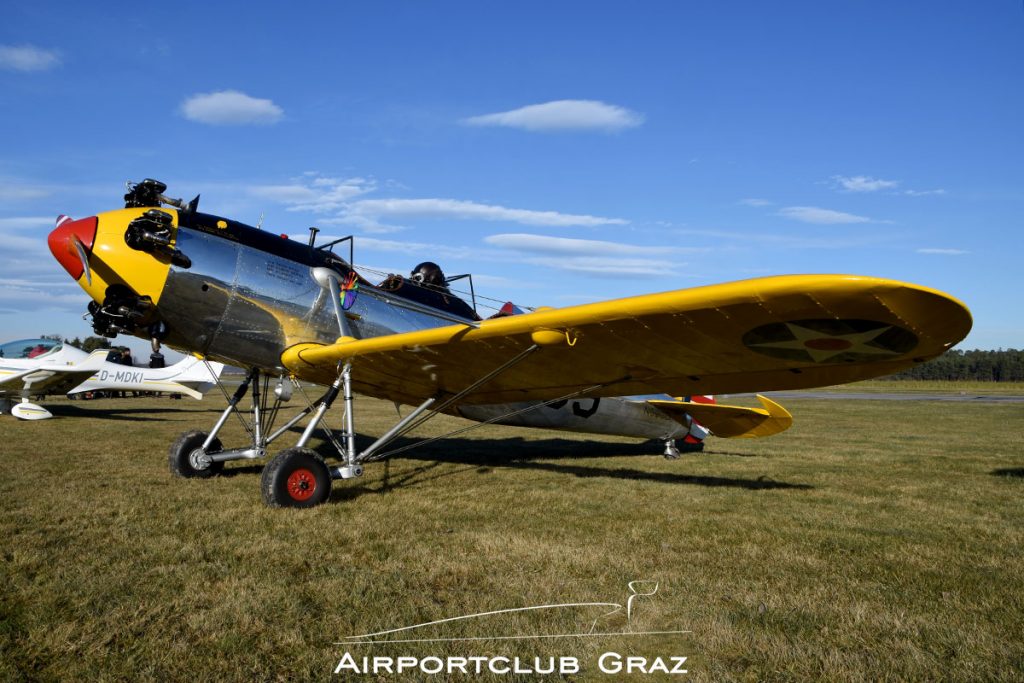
<point>731,421</point>
<point>785,332</point>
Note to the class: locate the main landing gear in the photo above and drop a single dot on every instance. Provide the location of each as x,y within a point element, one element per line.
<point>298,476</point>
<point>295,477</point>
<point>189,459</point>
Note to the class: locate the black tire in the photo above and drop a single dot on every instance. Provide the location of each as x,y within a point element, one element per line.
<point>179,458</point>
<point>296,478</point>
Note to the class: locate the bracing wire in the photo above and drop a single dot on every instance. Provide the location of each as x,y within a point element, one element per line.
<point>478,425</point>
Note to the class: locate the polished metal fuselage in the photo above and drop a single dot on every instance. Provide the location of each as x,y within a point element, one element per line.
<point>619,416</point>
<point>243,306</point>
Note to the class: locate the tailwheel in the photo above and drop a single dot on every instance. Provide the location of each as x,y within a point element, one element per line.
<point>296,477</point>
<point>187,459</point>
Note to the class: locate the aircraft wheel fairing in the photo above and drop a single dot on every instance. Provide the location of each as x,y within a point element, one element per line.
<point>184,458</point>
<point>30,411</point>
<point>296,477</point>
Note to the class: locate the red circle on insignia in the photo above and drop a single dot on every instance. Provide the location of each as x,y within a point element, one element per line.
<point>828,344</point>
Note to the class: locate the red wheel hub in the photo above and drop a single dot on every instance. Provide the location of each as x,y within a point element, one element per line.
<point>301,484</point>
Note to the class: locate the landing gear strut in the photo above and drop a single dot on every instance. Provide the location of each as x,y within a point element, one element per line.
<point>298,476</point>
<point>188,459</point>
<point>674,449</point>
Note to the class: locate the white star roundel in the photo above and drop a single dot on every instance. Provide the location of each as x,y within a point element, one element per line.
<point>830,341</point>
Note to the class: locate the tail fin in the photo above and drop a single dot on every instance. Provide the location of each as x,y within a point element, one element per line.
<point>192,372</point>
<point>732,421</point>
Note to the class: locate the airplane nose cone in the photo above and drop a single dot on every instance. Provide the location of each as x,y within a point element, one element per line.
<point>63,240</point>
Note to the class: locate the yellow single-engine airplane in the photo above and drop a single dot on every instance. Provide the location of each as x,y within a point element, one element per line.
<point>292,311</point>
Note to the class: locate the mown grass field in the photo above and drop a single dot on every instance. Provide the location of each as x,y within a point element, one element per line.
<point>875,540</point>
<point>972,387</point>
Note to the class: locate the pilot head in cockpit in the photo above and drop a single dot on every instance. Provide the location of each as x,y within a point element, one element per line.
<point>430,274</point>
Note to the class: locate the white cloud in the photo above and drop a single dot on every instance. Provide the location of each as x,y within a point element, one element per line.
<point>860,183</point>
<point>318,195</point>
<point>32,280</point>
<point>31,298</point>
<point>813,214</point>
<point>17,193</point>
<point>755,202</point>
<point>27,223</point>
<point>27,58</point>
<point>418,249</point>
<point>65,283</point>
<point>593,257</point>
<point>605,266</point>
<point>18,246</point>
<point>26,191</point>
<point>363,224</point>
<point>562,115</point>
<point>284,194</point>
<point>763,240</point>
<point>943,252</point>
<point>339,202</point>
<point>24,238</point>
<point>456,209</point>
<point>230,107</point>
<point>543,244</point>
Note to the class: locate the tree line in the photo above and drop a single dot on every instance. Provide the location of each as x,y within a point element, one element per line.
<point>982,366</point>
<point>89,344</point>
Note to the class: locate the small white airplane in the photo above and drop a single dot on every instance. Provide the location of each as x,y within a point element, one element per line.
<point>38,367</point>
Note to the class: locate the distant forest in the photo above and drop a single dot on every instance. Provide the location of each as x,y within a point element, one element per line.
<point>983,366</point>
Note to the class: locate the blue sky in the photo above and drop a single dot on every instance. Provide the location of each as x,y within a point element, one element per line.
<point>561,152</point>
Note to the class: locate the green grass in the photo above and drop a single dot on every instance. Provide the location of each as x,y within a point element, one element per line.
<point>932,386</point>
<point>874,540</point>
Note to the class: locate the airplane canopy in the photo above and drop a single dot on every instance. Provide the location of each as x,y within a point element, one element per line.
<point>30,348</point>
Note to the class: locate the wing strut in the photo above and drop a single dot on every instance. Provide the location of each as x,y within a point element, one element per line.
<point>400,428</point>
<point>409,423</point>
<point>478,425</point>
